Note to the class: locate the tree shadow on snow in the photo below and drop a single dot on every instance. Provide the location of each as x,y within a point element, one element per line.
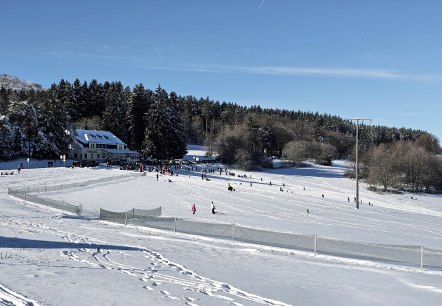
<point>312,171</point>
<point>22,243</point>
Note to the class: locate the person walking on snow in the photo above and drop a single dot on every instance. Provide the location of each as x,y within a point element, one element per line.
<point>213,208</point>
<point>193,208</point>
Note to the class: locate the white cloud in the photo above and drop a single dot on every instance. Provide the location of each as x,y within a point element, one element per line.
<point>354,73</point>
<point>334,72</point>
<point>310,71</point>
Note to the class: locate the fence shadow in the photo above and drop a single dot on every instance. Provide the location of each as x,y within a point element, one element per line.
<point>23,243</point>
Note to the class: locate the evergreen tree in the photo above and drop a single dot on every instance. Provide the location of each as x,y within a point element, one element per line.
<point>54,127</point>
<point>4,99</point>
<point>164,138</point>
<point>96,99</point>
<point>138,106</point>
<point>114,113</point>
<point>6,138</point>
<point>78,108</point>
<point>23,116</point>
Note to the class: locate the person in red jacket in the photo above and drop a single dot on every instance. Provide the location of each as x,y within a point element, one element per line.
<point>193,208</point>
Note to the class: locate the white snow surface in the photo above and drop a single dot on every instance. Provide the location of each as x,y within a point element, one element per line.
<point>48,257</point>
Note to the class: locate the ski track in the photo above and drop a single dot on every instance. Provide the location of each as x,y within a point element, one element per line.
<point>11,298</point>
<point>153,271</point>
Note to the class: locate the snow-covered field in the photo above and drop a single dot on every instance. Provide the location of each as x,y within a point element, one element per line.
<point>50,258</point>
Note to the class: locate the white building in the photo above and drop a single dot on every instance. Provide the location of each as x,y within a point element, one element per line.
<point>198,154</point>
<point>100,146</point>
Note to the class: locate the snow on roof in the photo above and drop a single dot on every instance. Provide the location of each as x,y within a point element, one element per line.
<point>101,137</point>
<point>197,152</point>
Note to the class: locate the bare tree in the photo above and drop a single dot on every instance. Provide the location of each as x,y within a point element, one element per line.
<point>383,167</point>
<point>429,142</point>
<point>296,151</point>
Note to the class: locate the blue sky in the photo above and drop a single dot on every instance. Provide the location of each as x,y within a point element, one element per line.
<point>355,59</point>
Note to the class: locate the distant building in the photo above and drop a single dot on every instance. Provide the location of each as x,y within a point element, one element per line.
<point>197,154</point>
<point>100,146</point>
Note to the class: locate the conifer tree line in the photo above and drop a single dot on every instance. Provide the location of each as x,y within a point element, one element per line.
<point>159,124</point>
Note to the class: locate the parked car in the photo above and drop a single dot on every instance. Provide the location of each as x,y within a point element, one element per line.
<point>85,163</point>
<point>91,163</point>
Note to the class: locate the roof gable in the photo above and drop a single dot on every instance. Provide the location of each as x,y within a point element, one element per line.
<point>99,137</point>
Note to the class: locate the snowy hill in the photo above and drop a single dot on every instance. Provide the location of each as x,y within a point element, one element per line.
<point>15,83</point>
<point>85,261</point>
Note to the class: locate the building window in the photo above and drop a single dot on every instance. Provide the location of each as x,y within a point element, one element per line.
<point>85,155</point>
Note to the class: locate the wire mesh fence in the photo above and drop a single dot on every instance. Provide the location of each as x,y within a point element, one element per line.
<point>58,204</point>
<point>405,255</point>
<point>130,214</point>
<point>395,254</point>
<point>61,187</point>
<point>29,193</point>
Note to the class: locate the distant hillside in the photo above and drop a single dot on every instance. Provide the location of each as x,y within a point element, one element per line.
<point>15,83</point>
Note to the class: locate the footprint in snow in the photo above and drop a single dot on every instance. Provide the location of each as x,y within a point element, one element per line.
<point>189,299</point>
<point>167,294</point>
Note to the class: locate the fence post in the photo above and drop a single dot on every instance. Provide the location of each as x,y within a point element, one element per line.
<point>174,226</point>
<point>125,220</point>
<point>315,244</point>
<point>233,232</point>
<point>133,213</point>
<point>422,256</point>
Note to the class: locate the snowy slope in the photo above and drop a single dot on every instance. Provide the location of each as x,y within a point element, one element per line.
<point>49,258</point>
<point>15,83</point>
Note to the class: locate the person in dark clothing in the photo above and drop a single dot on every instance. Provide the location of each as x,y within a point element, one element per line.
<point>213,208</point>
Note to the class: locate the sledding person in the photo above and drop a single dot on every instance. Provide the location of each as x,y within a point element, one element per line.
<point>193,208</point>
<point>213,208</point>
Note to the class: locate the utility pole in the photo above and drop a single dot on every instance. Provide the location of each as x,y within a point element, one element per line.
<point>357,159</point>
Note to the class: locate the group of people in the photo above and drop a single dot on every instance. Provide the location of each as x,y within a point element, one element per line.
<point>212,207</point>
<point>8,173</point>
